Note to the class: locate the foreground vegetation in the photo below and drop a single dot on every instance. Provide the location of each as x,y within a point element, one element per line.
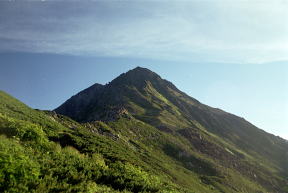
<point>34,161</point>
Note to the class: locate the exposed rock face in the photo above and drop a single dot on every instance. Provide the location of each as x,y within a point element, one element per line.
<point>114,114</point>
<point>79,103</point>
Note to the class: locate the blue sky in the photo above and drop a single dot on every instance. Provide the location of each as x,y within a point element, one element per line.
<point>227,54</point>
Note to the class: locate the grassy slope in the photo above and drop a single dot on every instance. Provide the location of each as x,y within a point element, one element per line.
<point>122,155</point>
<point>232,143</point>
<point>32,160</point>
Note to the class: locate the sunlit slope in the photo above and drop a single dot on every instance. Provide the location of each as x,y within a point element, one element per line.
<point>228,140</point>
<point>46,152</point>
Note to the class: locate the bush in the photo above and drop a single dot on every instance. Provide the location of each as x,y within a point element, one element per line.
<point>18,173</point>
<point>65,169</point>
<point>23,130</point>
<point>126,176</point>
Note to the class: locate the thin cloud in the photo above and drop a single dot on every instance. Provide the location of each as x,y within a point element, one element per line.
<point>243,31</point>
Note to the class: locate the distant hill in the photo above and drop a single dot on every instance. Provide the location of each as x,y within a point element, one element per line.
<point>139,133</point>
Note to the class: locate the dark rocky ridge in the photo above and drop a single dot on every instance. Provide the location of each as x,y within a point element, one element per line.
<point>79,103</point>
<point>127,87</point>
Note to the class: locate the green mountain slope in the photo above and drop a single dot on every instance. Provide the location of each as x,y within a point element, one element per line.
<point>226,140</point>
<point>138,133</point>
<point>46,152</point>
<point>125,155</point>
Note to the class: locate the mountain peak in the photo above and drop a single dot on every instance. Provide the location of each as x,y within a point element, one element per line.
<point>143,72</point>
<point>141,69</point>
<point>137,76</point>
<point>139,86</point>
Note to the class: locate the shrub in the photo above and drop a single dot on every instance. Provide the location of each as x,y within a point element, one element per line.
<point>18,173</point>
<point>126,176</point>
<point>23,130</point>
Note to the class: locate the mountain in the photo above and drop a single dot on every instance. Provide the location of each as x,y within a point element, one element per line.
<point>144,95</point>
<point>138,133</point>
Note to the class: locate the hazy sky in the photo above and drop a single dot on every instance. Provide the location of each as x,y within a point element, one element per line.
<point>225,53</point>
